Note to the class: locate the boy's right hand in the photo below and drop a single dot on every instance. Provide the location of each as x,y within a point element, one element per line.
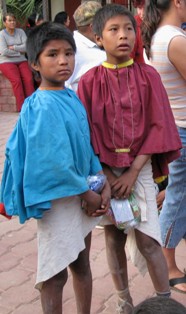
<point>91,201</point>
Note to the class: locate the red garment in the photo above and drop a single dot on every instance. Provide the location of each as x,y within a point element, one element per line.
<point>137,53</point>
<point>3,212</point>
<point>146,121</point>
<point>20,76</point>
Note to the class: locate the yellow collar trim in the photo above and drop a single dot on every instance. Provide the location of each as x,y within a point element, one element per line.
<point>51,88</point>
<point>118,66</point>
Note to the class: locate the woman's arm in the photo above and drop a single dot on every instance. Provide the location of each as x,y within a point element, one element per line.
<point>177,54</point>
<point>5,49</point>
<point>20,46</point>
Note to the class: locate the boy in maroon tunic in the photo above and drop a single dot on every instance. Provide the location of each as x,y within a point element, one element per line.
<point>134,134</point>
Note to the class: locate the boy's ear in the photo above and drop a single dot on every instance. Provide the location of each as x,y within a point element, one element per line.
<point>99,41</point>
<point>35,66</point>
<point>178,3</point>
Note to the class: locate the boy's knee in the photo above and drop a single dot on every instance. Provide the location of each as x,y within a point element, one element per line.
<point>59,280</point>
<point>82,269</point>
<point>114,239</point>
<point>149,248</point>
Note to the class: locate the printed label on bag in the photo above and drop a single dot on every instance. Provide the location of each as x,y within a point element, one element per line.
<point>122,210</point>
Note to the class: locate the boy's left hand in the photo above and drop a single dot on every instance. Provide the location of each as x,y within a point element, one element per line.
<point>122,186</point>
<point>105,203</point>
<point>160,198</point>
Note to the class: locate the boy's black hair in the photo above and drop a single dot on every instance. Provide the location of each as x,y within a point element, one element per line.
<point>107,12</point>
<point>159,305</point>
<point>40,35</point>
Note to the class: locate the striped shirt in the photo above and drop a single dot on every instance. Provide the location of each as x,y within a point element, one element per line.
<point>174,83</point>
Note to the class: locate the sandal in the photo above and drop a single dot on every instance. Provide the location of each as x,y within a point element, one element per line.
<point>124,307</point>
<point>175,281</point>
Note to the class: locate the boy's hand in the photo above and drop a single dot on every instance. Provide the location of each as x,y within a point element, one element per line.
<point>160,198</point>
<point>105,200</point>
<point>122,186</point>
<point>91,203</point>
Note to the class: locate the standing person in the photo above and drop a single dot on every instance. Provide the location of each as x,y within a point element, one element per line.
<point>62,18</point>
<point>33,20</point>
<point>88,53</point>
<point>13,63</point>
<point>124,101</point>
<point>165,44</point>
<point>137,53</point>
<point>52,137</point>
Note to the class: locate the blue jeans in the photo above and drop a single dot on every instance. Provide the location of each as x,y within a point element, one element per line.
<point>173,213</point>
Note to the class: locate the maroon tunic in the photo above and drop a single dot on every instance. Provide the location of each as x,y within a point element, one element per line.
<point>128,108</point>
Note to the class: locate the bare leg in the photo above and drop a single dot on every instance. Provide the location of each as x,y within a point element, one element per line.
<point>51,293</point>
<point>82,279</point>
<point>117,261</point>
<point>156,262</point>
<point>174,271</point>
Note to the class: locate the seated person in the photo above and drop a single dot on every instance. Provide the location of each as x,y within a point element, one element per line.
<point>13,62</point>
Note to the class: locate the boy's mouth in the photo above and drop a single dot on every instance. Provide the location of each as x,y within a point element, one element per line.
<point>64,71</point>
<point>124,46</point>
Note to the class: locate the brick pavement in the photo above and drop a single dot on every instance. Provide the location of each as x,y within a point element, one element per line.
<point>18,258</point>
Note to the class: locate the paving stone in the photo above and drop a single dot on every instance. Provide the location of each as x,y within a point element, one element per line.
<point>8,261</point>
<point>29,262</point>
<point>5,310</point>
<point>13,278</point>
<point>30,308</point>
<point>26,248</point>
<point>19,296</point>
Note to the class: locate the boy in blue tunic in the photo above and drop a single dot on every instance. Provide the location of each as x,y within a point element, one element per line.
<point>48,160</point>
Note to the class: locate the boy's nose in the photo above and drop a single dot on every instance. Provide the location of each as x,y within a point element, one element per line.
<point>63,60</point>
<point>123,34</point>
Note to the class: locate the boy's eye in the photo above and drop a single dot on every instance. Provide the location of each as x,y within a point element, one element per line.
<point>52,54</point>
<point>113,29</point>
<point>68,54</point>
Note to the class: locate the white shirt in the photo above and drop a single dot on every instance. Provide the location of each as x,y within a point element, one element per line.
<point>173,81</point>
<point>87,56</point>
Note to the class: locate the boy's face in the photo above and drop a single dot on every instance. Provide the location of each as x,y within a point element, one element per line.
<point>118,39</point>
<point>56,63</point>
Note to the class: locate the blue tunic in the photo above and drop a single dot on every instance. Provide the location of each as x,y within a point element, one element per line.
<point>48,155</point>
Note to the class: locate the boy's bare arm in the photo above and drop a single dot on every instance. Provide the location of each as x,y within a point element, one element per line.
<point>111,177</point>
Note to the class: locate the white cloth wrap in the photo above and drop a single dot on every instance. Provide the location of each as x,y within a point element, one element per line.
<point>61,234</point>
<point>144,191</point>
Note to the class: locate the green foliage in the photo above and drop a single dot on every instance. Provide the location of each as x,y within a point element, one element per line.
<point>1,19</point>
<point>23,8</point>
